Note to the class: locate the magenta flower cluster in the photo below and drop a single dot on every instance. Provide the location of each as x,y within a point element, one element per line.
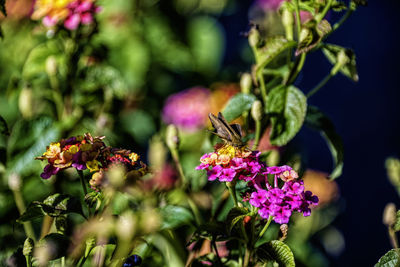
<point>225,169</point>
<point>188,109</point>
<point>276,201</point>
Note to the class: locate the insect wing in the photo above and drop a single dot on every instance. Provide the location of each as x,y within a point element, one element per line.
<point>220,128</point>
<point>234,129</point>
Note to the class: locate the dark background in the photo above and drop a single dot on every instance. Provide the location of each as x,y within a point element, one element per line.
<point>365,115</point>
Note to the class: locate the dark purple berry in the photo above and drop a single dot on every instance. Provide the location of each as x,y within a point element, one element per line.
<point>134,260</point>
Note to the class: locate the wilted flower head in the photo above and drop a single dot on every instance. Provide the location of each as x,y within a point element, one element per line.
<point>71,13</point>
<point>187,109</point>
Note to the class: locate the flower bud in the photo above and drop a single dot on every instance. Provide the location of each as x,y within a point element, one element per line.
<point>14,181</point>
<point>246,83</point>
<point>273,158</point>
<point>254,37</point>
<point>256,110</point>
<point>172,137</point>
<point>28,247</point>
<point>25,102</point>
<point>51,66</point>
<point>389,215</point>
<point>284,230</point>
<point>393,171</point>
<point>287,18</point>
<point>343,59</point>
<point>288,22</point>
<point>304,34</point>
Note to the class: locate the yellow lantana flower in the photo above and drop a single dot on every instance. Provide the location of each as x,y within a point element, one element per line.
<point>93,165</point>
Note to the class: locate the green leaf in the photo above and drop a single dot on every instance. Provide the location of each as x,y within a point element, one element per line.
<point>210,231</point>
<point>272,48</point>
<point>235,215</point>
<point>238,104</point>
<point>287,108</point>
<point>35,64</point>
<point>28,140</point>
<point>396,226</point>
<point>349,69</point>
<point>105,77</point>
<point>54,206</point>
<point>33,211</point>
<point>317,120</point>
<point>277,251</point>
<point>3,127</point>
<point>3,7</point>
<point>58,204</point>
<point>175,216</point>
<point>56,245</point>
<point>390,259</point>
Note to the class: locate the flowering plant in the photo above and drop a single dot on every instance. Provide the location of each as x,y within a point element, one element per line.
<point>188,199</point>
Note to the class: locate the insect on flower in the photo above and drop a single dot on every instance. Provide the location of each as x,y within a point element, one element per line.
<point>230,133</point>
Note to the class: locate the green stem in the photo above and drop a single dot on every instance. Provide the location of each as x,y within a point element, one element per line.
<point>63,262</point>
<point>298,21</point>
<point>265,227</point>
<point>232,192</point>
<point>19,201</point>
<point>195,211</point>
<point>216,253</point>
<point>319,85</point>
<point>263,87</point>
<point>322,15</point>
<point>338,24</point>
<point>246,258</point>
<point>82,262</point>
<point>175,156</point>
<point>258,134</point>
<point>85,191</point>
<point>28,259</point>
<point>296,69</point>
<point>83,182</point>
<point>393,238</point>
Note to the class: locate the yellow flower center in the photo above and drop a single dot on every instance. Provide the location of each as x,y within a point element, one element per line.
<point>133,157</point>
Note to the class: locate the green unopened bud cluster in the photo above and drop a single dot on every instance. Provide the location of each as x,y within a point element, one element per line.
<point>246,83</point>
<point>172,137</point>
<point>393,171</point>
<point>288,22</point>
<point>389,215</point>
<point>28,247</point>
<point>254,37</point>
<point>256,110</point>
